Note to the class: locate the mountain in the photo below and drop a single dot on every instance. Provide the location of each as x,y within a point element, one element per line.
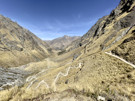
<point>18,45</point>
<point>99,66</point>
<point>61,42</point>
<point>114,32</point>
<point>120,19</point>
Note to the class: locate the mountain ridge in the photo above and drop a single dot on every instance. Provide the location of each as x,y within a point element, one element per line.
<point>18,43</point>
<point>98,29</point>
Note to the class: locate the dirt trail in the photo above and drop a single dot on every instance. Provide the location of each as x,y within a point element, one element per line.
<point>63,74</point>
<point>32,79</point>
<point>120,59</point>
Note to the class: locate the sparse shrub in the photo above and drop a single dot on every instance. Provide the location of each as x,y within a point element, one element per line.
<point>129,76</point>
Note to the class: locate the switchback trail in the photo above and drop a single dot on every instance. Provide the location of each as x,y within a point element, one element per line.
<point>33,78</point>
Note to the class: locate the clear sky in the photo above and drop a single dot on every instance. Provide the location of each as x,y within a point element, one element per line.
<point>49,19</point>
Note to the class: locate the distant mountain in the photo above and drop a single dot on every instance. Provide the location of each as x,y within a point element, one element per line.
<point>61,42</point>
<point>19,46</point>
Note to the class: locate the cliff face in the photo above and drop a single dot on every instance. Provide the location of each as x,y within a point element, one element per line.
<point>18,45</point>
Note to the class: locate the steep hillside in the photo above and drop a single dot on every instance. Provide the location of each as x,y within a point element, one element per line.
<point>19,46</point>
<point>109,27</point>
<point>61,42</point>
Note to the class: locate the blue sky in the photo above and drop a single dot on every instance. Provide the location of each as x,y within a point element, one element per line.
<point>49,19</point>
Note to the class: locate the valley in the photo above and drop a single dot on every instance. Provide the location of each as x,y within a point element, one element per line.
<point>99,66</point>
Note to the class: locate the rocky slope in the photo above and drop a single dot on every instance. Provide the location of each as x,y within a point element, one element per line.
<point>61,42</point>
<point>18,45</point>
<point>119,19</point>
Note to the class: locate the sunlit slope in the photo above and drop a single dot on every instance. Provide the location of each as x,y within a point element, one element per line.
<point>89,76</point>
<point>19,46</point>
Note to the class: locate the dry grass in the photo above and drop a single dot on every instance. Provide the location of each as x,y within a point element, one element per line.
<point>100,73</point>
